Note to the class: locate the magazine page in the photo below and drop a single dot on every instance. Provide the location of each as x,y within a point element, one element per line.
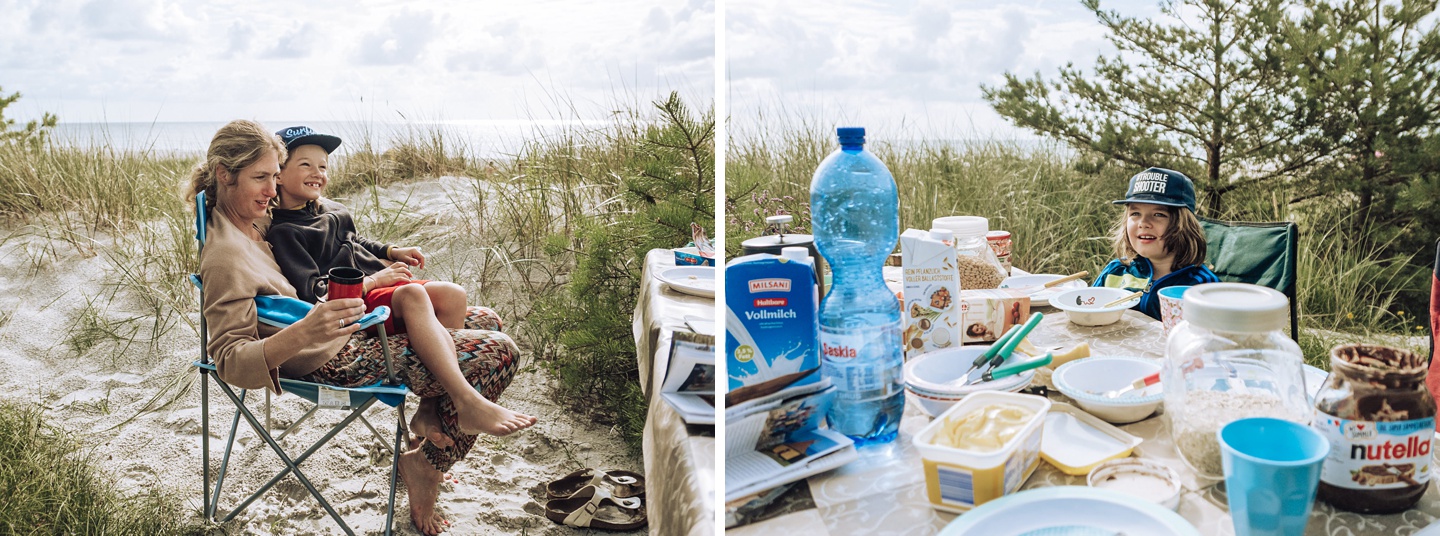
<point>692,364</point>
<point>693,408</point>
<point>778,439</point>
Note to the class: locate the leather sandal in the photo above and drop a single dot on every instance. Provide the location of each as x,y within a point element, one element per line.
<point>594,508</point>
<point>620,484</point>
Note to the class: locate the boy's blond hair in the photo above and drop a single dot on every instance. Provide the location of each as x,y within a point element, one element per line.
<point>1183,237</point>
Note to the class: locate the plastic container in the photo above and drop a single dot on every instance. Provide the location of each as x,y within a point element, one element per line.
<point>1000,244</point>
<point>1075,441</point>
<point>855,211</point>
<point>957,480</point>
<point>1229,359</point>
<point>979,269</point>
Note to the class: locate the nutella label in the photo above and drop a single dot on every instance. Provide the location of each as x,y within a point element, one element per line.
<point>1368,455</point>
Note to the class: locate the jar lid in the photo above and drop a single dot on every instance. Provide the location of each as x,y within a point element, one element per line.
<point>997,235</point>
<point>942,234</point>
<point>1237,307</point>
<point>966,226</point>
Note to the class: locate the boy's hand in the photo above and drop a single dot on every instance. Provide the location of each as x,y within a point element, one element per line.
<point>410,256</point>
<point>395,273</point>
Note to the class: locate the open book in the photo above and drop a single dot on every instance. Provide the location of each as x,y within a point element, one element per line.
<point>689,384</point>
<point>777,439</point>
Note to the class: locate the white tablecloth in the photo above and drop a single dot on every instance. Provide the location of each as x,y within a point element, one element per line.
<point>679,460</point>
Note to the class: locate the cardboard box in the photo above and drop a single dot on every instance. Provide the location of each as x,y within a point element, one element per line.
<point>985,314</point>
<point>931,282</point>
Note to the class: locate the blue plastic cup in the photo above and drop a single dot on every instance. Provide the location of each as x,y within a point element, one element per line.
<point>1272,468</point>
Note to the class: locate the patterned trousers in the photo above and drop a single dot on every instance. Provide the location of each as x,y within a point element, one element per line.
<point>488,359</point>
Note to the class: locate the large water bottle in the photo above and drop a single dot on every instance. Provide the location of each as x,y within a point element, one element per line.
<point>856,220</point>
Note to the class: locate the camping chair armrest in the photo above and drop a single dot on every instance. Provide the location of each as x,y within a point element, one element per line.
<point>379,315</point>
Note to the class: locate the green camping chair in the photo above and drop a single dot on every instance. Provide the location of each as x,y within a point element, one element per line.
<point>281,311</point>
<point>1262,254</point>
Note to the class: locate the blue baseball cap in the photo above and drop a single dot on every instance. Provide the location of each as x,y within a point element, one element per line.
<point>1160,186</point>
<point>296,136</point>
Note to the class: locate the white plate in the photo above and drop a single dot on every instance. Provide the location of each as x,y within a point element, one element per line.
<point>1068,510</point>
<point>692,280</point>
<point>1041,296</point>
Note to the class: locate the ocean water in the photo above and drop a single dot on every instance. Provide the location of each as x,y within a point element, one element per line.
<point>481,139</point>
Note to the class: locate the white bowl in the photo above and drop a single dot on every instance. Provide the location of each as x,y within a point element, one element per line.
<point>928,377</point>
<point>1083,305</point>
<point>1085,381</point>
<point>1146,479</point>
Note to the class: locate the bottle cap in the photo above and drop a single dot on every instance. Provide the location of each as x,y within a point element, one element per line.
<point>796,253</point>
<point>963,226</point>
<point>1236,307</point>
<point>851,135</point>
<point>942,234</point>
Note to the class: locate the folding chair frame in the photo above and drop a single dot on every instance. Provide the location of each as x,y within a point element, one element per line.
<point>391,392</point>
<point>1293,231</point>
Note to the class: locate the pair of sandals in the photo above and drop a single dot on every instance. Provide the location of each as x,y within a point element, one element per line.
<point>591,498</point>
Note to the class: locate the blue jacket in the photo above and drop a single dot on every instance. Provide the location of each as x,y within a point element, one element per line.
<point>1139,274</point>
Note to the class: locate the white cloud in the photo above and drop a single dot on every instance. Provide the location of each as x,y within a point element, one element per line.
<point>155,20</point>
<point>295,43</point>
<point>401,41</point>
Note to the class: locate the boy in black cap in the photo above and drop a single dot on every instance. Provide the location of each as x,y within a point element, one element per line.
<point>1158,241</point>
<point>310,234</point>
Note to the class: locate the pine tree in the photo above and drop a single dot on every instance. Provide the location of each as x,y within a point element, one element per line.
<point>1195,94</point>
<point>34,133</point>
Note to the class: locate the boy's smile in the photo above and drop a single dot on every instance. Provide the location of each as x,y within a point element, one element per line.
<point>304,176</point>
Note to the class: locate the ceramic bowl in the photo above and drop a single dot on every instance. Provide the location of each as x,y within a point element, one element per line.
<point>1146,479</point>
<point>1083,305</point>
<point>1086,380</point>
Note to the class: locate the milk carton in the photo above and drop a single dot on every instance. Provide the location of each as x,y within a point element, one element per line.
<point>931,286</point>
<point>771,323</point>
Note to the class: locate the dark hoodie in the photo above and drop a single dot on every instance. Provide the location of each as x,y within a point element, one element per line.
<point>312,239</point>
<point>1139,275</point>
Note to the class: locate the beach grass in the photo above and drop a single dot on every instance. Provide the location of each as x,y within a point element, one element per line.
<point>48,485</point>
<point>1056,204</point>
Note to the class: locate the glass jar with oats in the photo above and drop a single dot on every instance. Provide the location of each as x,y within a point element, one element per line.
<point>1230,359</point>
<point>979,269</point>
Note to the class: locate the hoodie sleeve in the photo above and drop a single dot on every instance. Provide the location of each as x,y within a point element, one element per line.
<point>346,230</point>
<point>295,262</point>
<point>235,345</point>
<point>380,251</point>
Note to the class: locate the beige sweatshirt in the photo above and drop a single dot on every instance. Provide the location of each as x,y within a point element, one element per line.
<point>234,270</point>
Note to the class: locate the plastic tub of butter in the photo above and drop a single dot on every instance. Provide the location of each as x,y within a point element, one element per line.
<point>1075,441</point>
<point>958,479</point>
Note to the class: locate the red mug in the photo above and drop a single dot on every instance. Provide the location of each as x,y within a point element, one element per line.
<point>346,282</point>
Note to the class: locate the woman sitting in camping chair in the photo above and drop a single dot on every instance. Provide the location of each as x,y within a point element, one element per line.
<point>236,265</point>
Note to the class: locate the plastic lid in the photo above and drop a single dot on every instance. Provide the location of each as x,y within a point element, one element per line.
<point>779,218</point>
<point>968,226</point>
<point>1236,307</point>
<point>795,253</point>
<point>941,234</point>
<point>851,135</point>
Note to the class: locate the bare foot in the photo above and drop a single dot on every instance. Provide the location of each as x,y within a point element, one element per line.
<point>426,424</point>
<point>423,482</point>
<point>491,418</point>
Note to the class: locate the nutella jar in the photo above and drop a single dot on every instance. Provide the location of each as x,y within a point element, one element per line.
<point>1379,418</point>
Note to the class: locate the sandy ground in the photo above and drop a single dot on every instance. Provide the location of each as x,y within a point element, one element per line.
<point>53,287</point>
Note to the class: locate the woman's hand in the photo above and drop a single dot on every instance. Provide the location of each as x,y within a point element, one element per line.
<point>391,275</point>
<point>409,256</point>
<point>331,319</point>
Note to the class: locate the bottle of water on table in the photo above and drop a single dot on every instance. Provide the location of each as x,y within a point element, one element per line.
<point>856,222</point>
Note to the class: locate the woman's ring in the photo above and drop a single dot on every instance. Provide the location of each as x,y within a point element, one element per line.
<point>342,323</point>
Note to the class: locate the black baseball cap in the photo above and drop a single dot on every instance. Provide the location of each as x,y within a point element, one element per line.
<point>1160,186</point>
<point>302,135</point>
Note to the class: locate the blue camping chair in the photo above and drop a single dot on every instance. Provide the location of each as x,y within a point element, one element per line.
<point>281,311</point>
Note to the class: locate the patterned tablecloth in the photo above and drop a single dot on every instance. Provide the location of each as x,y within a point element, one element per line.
<point>883,493</point>
<point>679,459</point>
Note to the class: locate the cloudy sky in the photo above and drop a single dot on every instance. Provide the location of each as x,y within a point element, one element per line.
<point>174,60</point>
<point>887,63</point>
